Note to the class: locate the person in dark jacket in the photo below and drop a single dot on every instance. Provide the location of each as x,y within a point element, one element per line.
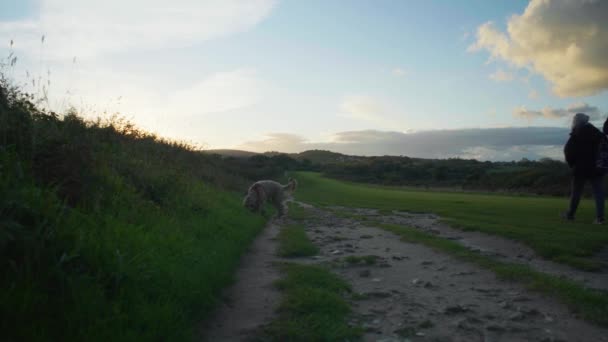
<point>581,155</point>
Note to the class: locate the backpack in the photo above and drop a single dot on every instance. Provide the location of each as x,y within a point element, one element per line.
<point>601,160</point>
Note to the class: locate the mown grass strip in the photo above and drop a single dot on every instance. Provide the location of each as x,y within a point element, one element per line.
<point>297,212</point>
<point>592,305</point>
<point>534,221</point>
<point>313,307</point>
<point>293,242</point>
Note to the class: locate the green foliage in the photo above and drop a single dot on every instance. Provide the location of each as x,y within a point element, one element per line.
<point>296,212</point>
<point>312,308</point>
<point>547,177</point>
<point>109,233</point>
<point>534,221</point>
<point>293,242</point>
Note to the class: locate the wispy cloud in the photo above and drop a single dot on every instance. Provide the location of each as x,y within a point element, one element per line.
<point>562,40</point>
<point>502,76</point>
<point>121,49</point>
<point>558,113</point>
<point>86,28</point>
<point>370,109</point>
<point>283,142</point>
<point>399,72</point>
<point>220,92</point>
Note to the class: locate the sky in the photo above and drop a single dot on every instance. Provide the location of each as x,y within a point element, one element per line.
<point>493,80</point>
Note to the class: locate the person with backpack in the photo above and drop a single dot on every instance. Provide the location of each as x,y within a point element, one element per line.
<point>586,153</point>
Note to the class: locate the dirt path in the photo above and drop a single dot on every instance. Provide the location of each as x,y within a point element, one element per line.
<point>251,301</point>
<point>411,293</point>
<point>491,245</point>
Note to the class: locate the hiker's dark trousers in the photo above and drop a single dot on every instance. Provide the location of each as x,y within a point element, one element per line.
<point>578,184</point>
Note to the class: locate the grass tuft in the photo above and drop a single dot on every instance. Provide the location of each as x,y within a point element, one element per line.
<point>293,242</point>
<point>297,212</point>
<point>361,260</point>
<point>313,307</point>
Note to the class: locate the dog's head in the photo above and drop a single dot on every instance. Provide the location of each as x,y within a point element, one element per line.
<point>254,198</point>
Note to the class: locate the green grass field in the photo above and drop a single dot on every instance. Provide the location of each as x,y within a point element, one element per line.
<point>532,220</point>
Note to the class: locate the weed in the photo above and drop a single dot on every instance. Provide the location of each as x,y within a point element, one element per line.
<point>297,212</point>
<point>293,242</point>
<point>312,308</point>
<point>361,260</point>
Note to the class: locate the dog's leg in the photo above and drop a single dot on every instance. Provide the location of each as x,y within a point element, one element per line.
<point>281,207</point>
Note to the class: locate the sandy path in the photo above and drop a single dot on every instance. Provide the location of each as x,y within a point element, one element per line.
<point>251,300</point>
<point>411,293</point>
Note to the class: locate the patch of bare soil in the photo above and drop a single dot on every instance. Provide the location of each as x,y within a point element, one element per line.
<point>414,293</point>
<point>404,291</point>
<point>491,245</point>
<point>251,301</point>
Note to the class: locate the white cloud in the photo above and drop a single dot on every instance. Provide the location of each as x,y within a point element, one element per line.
<point>370,109</point>
<point>533,94</point>
<point>558,113</point>
<point>220,92</point>
<point>89,28</point>
<point>118,68</point>
<point>566,41</point>
<point>283,142</point>
<point>502,76</point>
<point>398,72</point>
<point>362,107</point>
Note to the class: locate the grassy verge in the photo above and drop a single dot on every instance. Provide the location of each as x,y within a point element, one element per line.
<point>532,220</point>
<point>312,308</point>
<point>130,270</point>
<point>293,242</point>
<point>108,233</point>
<point>296,212</point>
<point>590,304</point>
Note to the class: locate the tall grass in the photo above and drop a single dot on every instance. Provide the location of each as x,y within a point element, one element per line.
<point>109,233</point>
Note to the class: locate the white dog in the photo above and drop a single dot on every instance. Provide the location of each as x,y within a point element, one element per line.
<point>269,191</point>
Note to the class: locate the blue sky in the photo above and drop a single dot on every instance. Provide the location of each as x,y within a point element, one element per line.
<point>288,75</point>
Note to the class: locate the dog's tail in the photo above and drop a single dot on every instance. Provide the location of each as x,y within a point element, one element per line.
<point>291,185</point>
